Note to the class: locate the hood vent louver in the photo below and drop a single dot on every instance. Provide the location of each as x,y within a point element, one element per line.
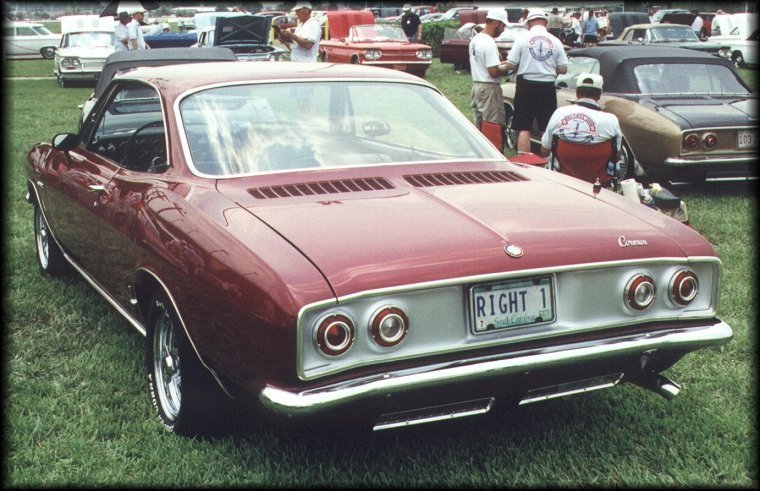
<point>455,178</point>
<point>321,187</point>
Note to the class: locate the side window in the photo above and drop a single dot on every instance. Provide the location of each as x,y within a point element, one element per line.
<point>130,129</point>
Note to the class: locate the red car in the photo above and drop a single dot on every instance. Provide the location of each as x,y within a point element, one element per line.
<point>455,50</point>
<point>355,38</point>
<point>289,240</point>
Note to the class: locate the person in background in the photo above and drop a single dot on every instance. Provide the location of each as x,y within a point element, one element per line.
<point>697,24</point>
<point>306,36</point>
<point>601,35</point>
<point>590,28</point>
<point>121,33</point>
<point>411,24</point>
<point>485,67</point>
<point>575,24</point>
<point>555,25</point>
<point>524,16</point>
<point>538,57</point>
<point>717,27</point>
<point>136,38</point>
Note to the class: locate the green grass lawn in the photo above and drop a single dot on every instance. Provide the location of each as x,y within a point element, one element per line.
<point>77,411</point>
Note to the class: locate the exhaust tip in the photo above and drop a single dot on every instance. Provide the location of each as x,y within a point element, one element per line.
<point>659,384</point>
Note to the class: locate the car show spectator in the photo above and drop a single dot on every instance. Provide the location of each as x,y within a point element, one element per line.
<point>574,38</point>
<point>538,57</point>
<point>304,41</point>
<point>556,24</point>
<point>590,29</point>
<point>121,32</point>
<point>411,24</point>
<point>584,122</point>
<point>136,37</point>
<point>697,24</point>
<point>486,67</point>
<point>719,24</point>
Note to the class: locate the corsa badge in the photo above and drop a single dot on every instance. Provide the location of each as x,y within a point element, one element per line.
<point>513,250</point>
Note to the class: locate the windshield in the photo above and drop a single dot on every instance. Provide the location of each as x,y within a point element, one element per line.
<point>42,30</point>
<point>377,33</point>
<point>248,129</point>
<point>90,39</point>
<point>686,78</point>
<point>673,33</point>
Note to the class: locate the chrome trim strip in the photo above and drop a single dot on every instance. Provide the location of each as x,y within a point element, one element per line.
<point>718,159</point>
<point>324,398</point>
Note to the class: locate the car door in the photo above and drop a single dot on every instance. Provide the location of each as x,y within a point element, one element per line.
<point>129,133</point>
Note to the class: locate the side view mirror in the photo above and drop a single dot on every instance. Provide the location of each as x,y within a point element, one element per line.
<point>376,128</point>
<point>65,141</point>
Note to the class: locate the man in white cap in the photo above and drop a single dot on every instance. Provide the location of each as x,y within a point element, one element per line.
<point>136,39</point>
<point>486,66</point>
<point>411,24</point>
<point>304,41</point>
<point>538,57</point>
<point>121,32</point>
<point>584,123</point>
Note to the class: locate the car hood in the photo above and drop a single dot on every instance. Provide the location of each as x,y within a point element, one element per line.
<point>98,52</point>
<point>704,111</point>
<point>244,29</point>
<point>404,233</point>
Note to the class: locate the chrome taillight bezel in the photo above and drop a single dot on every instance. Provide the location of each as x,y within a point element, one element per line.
<point>683,279</point>
<point>640,292</point>
<point>322,333</point>
<point>376,326</point>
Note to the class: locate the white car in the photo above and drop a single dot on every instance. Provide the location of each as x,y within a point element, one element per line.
<point>742,38</point>
<point>82,54</point>
<point>29,38</point>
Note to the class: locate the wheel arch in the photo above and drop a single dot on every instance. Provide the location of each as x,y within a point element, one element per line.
<point>146,284</point>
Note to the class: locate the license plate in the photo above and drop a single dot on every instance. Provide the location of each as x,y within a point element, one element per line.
<point>511,304</point>
<point>746,139</point>
<point>399,67</point>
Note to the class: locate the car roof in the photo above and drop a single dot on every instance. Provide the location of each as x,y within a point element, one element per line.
<point>176,79</point>
<point>122,60</point>
<point>614,59</point>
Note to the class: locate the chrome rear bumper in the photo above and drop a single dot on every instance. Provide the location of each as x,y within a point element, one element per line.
<point>329,397</point>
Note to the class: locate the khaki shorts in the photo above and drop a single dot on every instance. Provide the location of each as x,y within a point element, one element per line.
<point>487,103</point>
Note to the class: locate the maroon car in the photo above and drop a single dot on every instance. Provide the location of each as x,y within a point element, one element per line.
<point>287,239</point>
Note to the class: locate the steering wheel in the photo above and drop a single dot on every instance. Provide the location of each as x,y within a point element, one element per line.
<point>131,152</point>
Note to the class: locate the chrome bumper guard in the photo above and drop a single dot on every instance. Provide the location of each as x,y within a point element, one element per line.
<point>716,160</point>
<point>321,399</point>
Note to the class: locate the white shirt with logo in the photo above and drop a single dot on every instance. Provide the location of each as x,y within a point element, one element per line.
<point>135,33</point>
<point>583,125</point>
<point>483,54</point>
<point>538,54</point>
<point>312,31</point>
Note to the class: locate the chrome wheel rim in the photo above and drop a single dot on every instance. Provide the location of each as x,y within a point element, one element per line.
<point>43,240</point>
<point>166,367</point>
<point>510,135</point>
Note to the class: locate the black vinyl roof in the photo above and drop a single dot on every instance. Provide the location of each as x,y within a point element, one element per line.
<point>122,60</point>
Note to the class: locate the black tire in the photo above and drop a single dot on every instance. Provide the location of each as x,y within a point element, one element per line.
<point>185,396</point>
<point>48,52</point>
<point>510,136</point>
<point>738,59</point>
<point>49,255</point>
<point>627,165</point>
<point>61,82</point>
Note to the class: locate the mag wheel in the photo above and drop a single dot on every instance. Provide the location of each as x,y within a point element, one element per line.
<point>48,53</point>
<point>185,396</point>
<point>49,255</point>
<point>510,135</point>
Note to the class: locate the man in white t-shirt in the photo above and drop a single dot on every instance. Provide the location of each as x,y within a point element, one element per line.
<point>136,39</point>
<point>304,41</point>
<point>485,67</point>
<point>583,123</point>
<point>538,57</point>
<point>697,24</point>
<point>121,33</point>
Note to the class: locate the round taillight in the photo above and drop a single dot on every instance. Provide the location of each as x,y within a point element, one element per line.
<point>709,141</point>
<point>335,334</point>
<point>691,142</point>
<point>640,292</point>
<point>389,326</point>
<point>684,287</point>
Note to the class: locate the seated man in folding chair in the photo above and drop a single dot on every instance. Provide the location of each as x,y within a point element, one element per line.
<point>584,141</point>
